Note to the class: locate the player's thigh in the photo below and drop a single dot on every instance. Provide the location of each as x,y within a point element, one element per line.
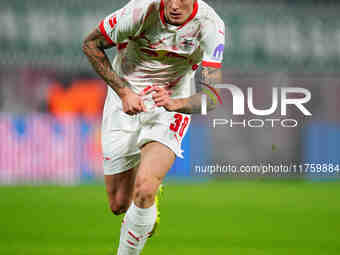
<point>156,161</point>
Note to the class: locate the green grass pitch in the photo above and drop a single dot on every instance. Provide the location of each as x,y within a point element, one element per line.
<point>232,217</point>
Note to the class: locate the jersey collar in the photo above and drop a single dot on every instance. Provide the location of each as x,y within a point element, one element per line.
<point>162,14</point>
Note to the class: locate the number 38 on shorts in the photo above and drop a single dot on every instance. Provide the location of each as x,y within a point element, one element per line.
<point>179,125</point>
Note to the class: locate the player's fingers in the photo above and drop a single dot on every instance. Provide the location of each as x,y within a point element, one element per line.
<point>168,87</point>
<point>157,88</point>
<point>130,109</point>
<point>137,108</point>
<point>142,106</point>
<point>161,93</point>
<point>159,99</point>
<point>129,112</point>
<point>125,109</point>
<point>156,96</point>
<point>161,103</point>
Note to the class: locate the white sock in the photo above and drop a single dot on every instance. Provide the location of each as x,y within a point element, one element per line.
<point>137,224</point>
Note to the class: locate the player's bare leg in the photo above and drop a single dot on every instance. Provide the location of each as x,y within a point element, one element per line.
<point>156,160</point>
<point>119,188</point>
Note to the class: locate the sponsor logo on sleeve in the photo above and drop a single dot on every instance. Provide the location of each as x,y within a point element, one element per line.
<point>218,52</point>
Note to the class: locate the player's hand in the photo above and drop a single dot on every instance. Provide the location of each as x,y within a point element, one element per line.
<point>132,103</point>
<point>162,97</point>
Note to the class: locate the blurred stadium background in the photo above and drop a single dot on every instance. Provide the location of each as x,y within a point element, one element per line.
<point>50,115</point>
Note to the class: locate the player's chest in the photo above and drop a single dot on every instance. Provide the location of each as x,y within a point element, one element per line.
<point>184,41</point>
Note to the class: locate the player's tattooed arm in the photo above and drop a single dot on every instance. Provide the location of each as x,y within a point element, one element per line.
<point>207,77</point>
<point>94,47</point>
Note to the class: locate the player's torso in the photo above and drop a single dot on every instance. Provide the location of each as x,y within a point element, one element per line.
<point>161,53</point>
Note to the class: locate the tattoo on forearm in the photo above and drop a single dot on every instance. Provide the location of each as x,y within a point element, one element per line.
<point>207,77</point>
<point>93,47</point>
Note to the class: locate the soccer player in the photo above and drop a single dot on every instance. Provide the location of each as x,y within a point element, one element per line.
<point>148,108</point>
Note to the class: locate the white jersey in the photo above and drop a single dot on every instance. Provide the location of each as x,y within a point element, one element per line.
<point>152,52</point>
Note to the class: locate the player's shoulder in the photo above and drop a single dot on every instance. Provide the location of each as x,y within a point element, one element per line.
<point>207,15</point>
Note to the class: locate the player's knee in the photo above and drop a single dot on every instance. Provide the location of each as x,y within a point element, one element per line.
<point>145,191</point>
<point>118,207</point>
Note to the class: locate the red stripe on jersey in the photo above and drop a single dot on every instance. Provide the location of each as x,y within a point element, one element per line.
<point>174,55</point>
<point>102,30</point>
<point>161,12</point>
<point>150,52</point>
<point>211,64</point>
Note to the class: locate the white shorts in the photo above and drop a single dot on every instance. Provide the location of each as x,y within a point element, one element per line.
<point>123,135</point>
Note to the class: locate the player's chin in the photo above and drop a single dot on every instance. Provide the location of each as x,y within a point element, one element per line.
<point>176,21</point>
